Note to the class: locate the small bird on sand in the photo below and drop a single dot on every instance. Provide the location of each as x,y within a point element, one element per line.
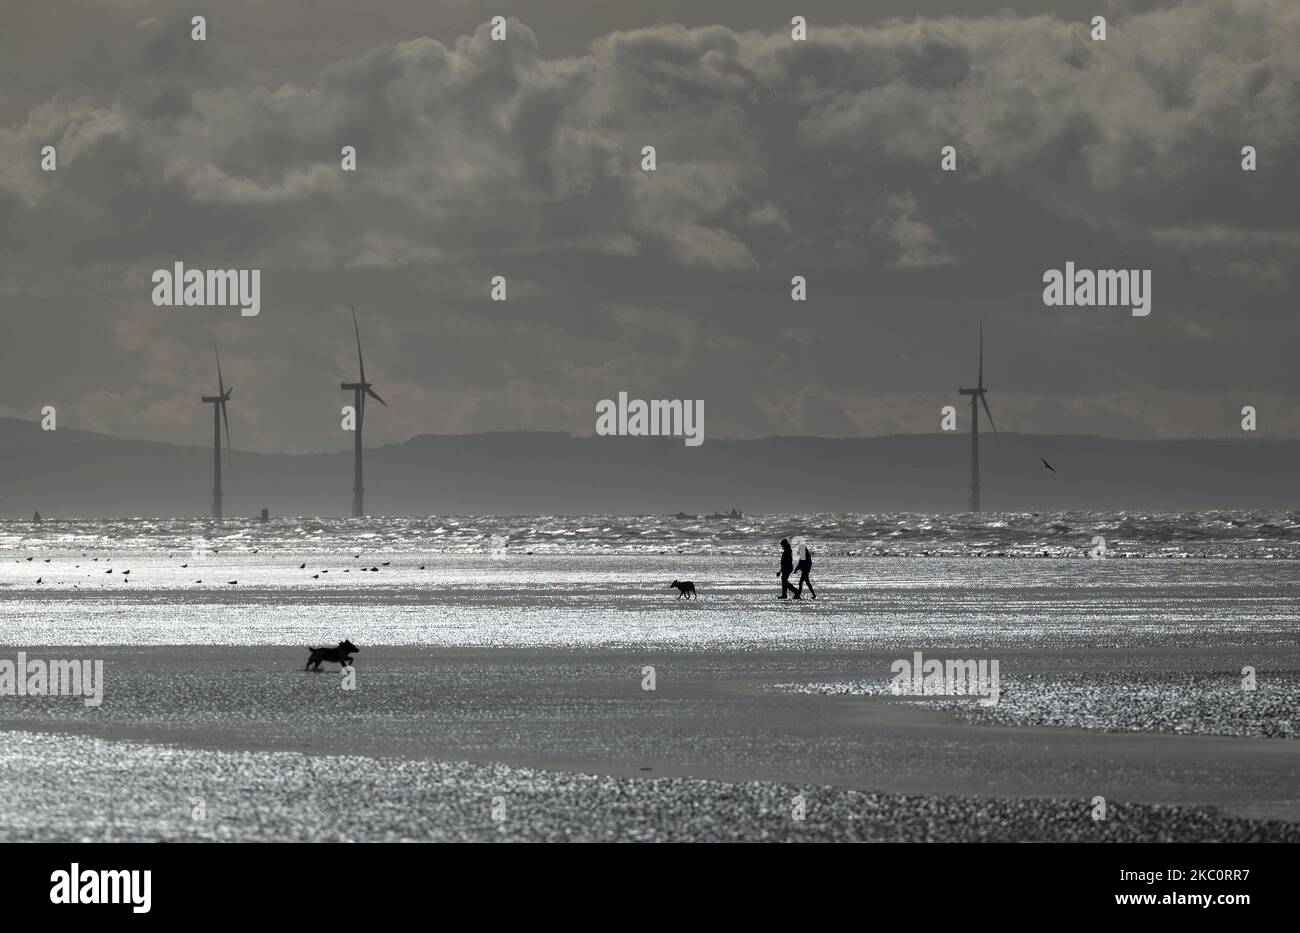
<point>38,579</point>
<point>29,560</point>
<point>109,570</point>
<point>47,560</point>
<point>126,573</point>
<point>384,564</point>
<point>232,582</point>
<point>315,576</point>
<point>302,566</point>
<point>1048,465</point>
<point>422,566</point>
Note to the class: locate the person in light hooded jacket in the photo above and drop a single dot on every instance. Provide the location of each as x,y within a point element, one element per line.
<point>805,567</point>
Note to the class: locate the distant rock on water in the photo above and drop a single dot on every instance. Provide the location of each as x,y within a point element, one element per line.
<point>37,516</point>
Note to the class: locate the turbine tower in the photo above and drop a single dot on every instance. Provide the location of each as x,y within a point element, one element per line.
<point>976,399</point>
<point>218,415</point>
<point>359,392</point>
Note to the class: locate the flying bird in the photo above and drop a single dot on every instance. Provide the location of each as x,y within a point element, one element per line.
<point>1048,465</point>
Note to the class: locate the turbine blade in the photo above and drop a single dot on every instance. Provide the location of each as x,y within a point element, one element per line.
<point>221,385</point>
<point>981,381</point>
<point>990,414</point>
<point>226,418</point>
<point>375,395</point>
<point>361,364</point>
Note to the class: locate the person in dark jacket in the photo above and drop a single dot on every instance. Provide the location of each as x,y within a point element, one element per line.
<point>787,568</point>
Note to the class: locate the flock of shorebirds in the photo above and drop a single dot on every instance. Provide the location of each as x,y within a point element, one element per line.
<point>125,574</point>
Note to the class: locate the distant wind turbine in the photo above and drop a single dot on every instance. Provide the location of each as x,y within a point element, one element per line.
<point>218,415</point>
<point>359,392</point>
<point>976,399</point>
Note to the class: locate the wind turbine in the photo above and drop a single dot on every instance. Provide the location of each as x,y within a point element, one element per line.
<point>976,399</point>
<point>359,392</point>
<point>218,415</point>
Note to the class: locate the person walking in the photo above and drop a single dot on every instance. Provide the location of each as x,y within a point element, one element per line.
<point>805,568</point>
<point>787,568</point>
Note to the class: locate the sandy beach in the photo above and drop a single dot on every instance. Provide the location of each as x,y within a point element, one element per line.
<point>521,678</point>
<point>715,721</point>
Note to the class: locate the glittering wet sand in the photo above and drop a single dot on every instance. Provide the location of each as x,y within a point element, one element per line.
<point>712,715</point>
<point>526,674</point>
<point>591,601</point>
<point>78,789</point>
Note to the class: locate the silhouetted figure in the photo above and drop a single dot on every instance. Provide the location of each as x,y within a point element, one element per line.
<point>342,655</point>
<point>787,568</point>
<point>805,568</point>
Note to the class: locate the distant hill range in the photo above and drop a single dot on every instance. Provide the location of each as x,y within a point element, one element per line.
<point>79,474</point>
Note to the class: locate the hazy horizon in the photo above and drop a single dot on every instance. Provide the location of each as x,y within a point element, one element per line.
<point>346,447</point>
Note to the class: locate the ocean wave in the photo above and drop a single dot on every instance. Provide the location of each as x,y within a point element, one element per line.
<point>1264,534</point>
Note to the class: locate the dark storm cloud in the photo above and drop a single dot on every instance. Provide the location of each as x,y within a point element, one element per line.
<point>776,158</point>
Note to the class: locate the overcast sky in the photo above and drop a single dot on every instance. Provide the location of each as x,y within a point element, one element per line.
<point>775,158</point>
